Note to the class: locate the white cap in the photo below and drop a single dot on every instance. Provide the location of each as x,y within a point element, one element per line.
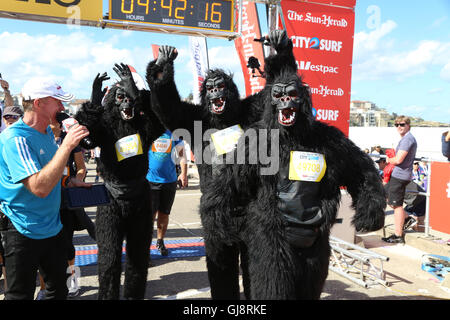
<point>43,87</point>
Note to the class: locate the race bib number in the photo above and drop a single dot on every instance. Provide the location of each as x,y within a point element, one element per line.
<point>307,166</point>
<point>128,147</point>
<point>226,140</point>
<point>162,145</point>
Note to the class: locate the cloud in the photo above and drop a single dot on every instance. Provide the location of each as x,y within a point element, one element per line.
<point>445,72</point>
<point>376,57</point>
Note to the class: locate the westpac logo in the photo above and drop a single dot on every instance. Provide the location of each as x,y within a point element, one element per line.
<point>316,43</point>
<point>325,114</point>
<point>308,66</point>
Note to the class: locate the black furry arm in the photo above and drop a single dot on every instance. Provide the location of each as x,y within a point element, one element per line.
<point>166,102</point>
<point>282,60</point>
<point>90,115</point>
<point>357,172</point>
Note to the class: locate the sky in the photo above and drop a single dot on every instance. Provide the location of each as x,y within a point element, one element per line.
<point>401,55</point>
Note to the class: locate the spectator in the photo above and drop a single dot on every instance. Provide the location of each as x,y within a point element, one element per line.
<point>7,102</point>
<point>163,179</point>
<point>446,144</point>
<point>419,175</point>
<point>31,167</point>
<point>11,114</point>
<point>71,219</point>
<point>400,178</point>
<point>381,162</point>
<point>95,153</point>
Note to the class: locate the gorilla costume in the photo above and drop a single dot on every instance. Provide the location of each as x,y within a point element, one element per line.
<point>289,213</point>
<point>124,128</point>
<point>220,108</point>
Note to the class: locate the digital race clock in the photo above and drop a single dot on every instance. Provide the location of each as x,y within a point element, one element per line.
<point>205,14</point>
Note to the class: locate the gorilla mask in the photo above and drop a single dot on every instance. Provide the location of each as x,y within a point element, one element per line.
<point>286,99</point>
<point>125,104</point>
<point>215,94</point>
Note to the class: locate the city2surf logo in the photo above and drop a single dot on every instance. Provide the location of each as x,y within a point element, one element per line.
<point>316,43</point>
<point>325,114</point>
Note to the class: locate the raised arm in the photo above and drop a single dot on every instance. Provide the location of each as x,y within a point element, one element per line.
<point>166,102</point>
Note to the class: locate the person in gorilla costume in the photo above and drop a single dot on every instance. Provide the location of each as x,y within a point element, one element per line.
<point>124,127</point>
<point>220,108</point>
<point>290,211</point>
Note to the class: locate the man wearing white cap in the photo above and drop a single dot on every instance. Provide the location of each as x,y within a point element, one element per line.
<point>31,168</point>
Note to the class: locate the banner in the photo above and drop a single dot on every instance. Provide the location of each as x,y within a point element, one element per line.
<point>322,37</point>
<point>246,47</point>
<point>199,54</point>
<point>155,51</point>
<point>91,10</point>
<point>440,196</point>
<point>335,3</point>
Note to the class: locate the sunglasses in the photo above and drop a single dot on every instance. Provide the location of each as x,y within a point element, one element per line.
<point>10,117</point>
<point>400,124</point>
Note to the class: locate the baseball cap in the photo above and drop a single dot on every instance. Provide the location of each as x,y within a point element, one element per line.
<point>43,87</point>
<point>12,111</point>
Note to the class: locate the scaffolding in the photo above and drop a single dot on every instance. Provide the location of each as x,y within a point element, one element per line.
<point>356,263</point>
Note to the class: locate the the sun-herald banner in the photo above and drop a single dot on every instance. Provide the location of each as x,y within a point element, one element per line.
<point>322,36</point>
<point>246,47</point>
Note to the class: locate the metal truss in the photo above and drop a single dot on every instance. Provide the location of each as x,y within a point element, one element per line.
<point>356,263</point>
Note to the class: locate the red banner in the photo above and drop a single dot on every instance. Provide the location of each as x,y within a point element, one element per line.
<point>246,47</point>
<point>440,197</point>
<point>322,36</point>
<point>339,3</point>
<point>155,51</point>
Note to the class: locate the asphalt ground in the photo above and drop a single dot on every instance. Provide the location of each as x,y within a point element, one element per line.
<point>185,278</point>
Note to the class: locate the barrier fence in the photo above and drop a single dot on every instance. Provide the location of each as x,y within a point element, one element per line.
<point>437,212</point>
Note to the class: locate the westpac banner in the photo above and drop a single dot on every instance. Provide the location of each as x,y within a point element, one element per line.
<point>322,36</point>
<point>199,54</point>
<point>246,47</point>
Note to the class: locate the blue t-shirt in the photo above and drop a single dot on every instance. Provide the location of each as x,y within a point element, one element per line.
<point>24,151</point>
<point>161,159</point>
<point>403,171</point>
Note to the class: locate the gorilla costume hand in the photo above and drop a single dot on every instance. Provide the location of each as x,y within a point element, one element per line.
<point>128,84</point>
<point>278,39</point>
<point>166,54</point>
<point>97,92</point>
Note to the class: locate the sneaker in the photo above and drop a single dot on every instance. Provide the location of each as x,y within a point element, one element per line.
<point>161,247</point>
<point>409,223</point>
<point>394,239</point>
<point>40,295</point>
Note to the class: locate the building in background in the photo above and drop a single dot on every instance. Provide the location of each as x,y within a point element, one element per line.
<point>367,114</point>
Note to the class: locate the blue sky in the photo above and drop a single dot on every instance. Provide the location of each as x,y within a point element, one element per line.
<point>401,55</point>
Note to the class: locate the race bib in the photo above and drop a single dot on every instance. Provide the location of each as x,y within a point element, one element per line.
<point>162,145</point>
<point>128,147</point>
<point>307,166</point>
<point>226,140</point>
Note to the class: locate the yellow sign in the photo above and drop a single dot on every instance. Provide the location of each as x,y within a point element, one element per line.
<point>128,147</point>
<point>307,166</point>
<point>226,140</point>
<point>91,10</point>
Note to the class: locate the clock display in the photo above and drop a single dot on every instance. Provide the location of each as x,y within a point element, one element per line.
<point>204,14</point>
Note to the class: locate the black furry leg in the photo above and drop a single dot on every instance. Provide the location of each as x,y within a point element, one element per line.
<point>139,235</point>
<point>109,234</point>
<point>223,271</point>
<point>312,269</point>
